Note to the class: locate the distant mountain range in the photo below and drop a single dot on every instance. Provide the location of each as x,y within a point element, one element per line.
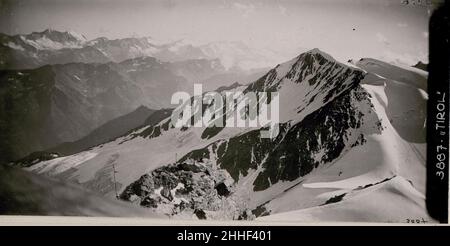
<point>55,47</point>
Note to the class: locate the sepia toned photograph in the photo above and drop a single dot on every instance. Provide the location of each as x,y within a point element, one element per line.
<point>263,111</point>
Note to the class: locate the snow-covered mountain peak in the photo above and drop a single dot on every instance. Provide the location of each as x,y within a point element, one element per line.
<point>307,82</point>
<point>58,36</point>
<point>51,39</point>
<point>319,53</point>
<point>78,36</point>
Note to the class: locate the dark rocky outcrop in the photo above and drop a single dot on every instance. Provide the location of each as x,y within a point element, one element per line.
<point>175,188</point>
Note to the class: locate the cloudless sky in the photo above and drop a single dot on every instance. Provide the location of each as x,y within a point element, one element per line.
<point>384,29</point>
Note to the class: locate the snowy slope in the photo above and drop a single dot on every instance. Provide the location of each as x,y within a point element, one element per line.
<point>392,201</point>
<point>404,74</point>
<point>24,193</point>
<point>391,165</point>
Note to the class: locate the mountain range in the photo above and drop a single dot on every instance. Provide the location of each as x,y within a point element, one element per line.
<point>56,47</point>
<point>58,87</point>
<point>351,138</point>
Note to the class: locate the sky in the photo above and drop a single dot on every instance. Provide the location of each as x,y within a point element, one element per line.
<point>347,29</point>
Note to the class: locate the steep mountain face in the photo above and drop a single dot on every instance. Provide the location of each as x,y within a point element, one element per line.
<point>337,144</point>
<point>24,110</point>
